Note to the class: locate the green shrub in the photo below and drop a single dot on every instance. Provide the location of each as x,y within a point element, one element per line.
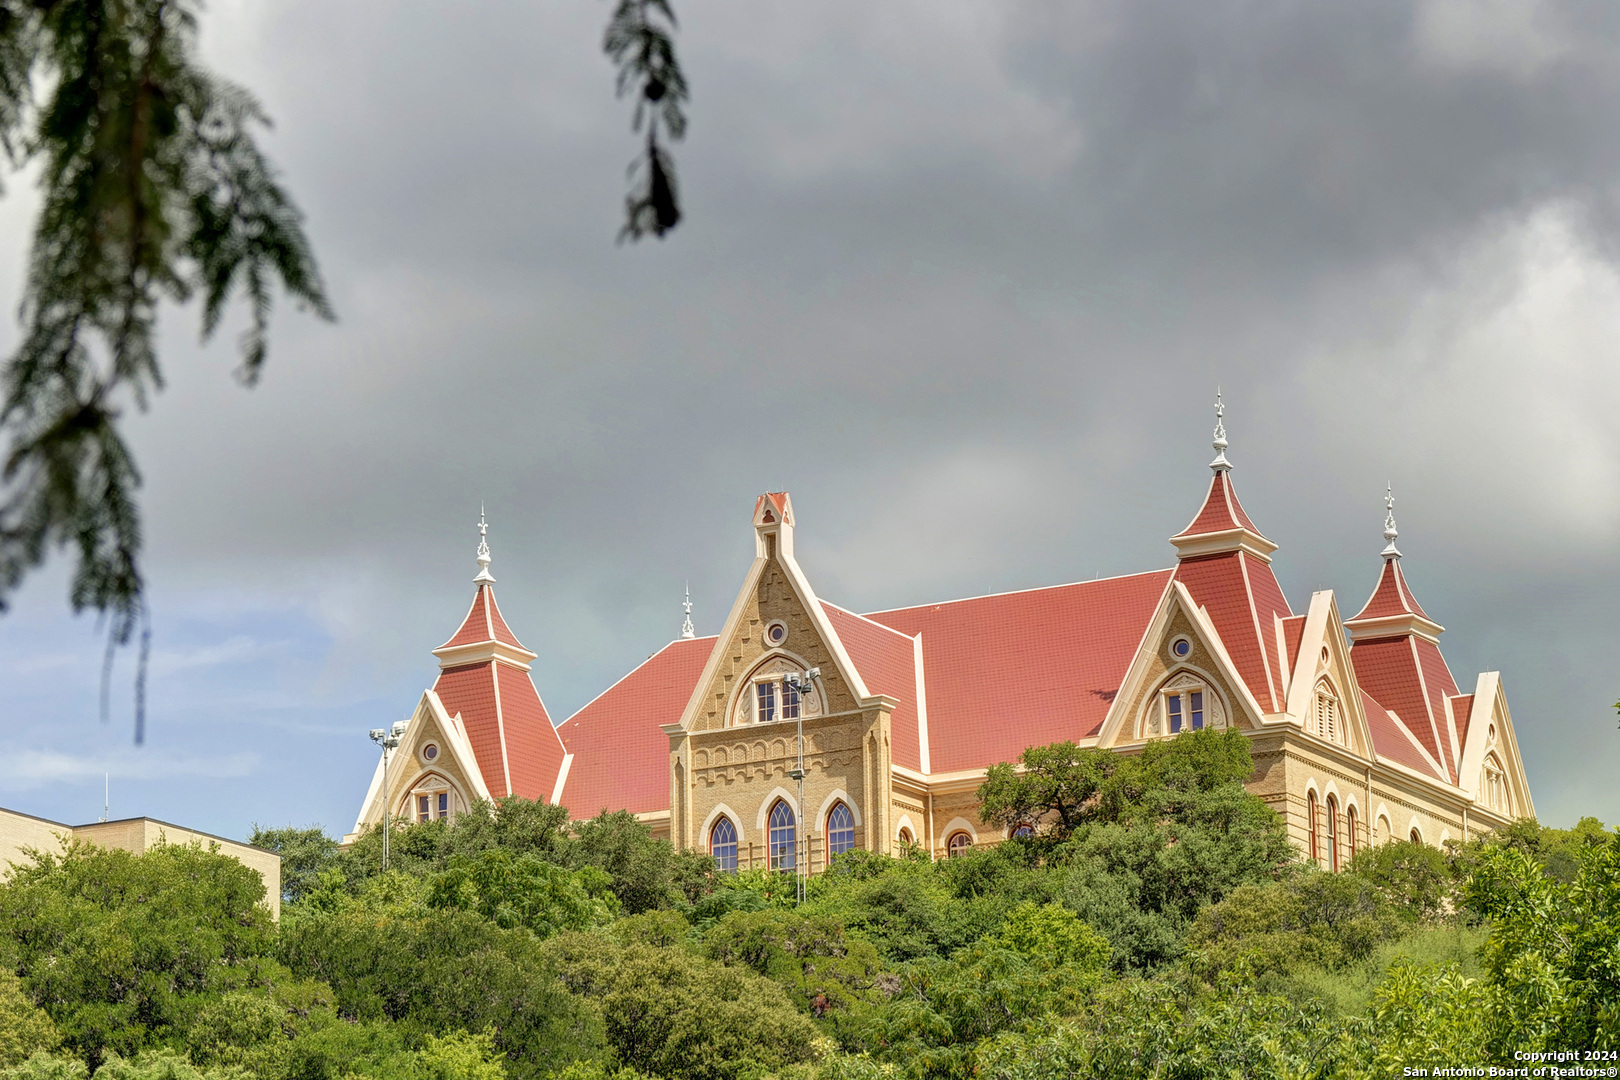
<point>109,943</point>
<point>667,1012</point>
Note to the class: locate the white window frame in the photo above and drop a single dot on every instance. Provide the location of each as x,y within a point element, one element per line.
<point>1185,693</point>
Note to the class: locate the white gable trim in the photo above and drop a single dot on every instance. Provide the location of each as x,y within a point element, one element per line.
<point>562,779</point>
<point>430,712</point>
<point>1324,628</point>
<point>924,761</point>
<point>1119,725</point>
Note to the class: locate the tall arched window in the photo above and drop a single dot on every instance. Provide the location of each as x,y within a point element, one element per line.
<point>784,837</point>
<point>1310,818</point>
<point>906,839</point>
<point>1416,837</point>
<point>958,844</point>
<point>840,831</point>
<point>723,844</point>
<point>1350,832</point>
<point>1333,832</point>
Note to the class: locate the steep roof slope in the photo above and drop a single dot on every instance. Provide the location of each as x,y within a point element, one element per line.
<point>1015,670</point>
<point>621,757</point>
<point>485,679</point>
<point>886,660</point>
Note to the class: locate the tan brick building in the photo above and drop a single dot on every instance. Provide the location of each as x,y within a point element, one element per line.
<point>1359,731</point>
<point>19,832</point>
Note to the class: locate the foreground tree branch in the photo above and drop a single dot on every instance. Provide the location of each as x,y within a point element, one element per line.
<point>154,189</point>
<point>640,42</point>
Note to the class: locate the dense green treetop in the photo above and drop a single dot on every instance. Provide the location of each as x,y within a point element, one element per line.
<point>1166,930</point>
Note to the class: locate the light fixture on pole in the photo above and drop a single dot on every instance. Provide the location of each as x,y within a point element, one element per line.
<point>801,685</point>
<point>388,739</point>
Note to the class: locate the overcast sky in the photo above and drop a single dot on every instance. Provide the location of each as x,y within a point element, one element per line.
<point>961,277</point>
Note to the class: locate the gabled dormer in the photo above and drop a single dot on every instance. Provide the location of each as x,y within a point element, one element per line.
<point>1323,695</point>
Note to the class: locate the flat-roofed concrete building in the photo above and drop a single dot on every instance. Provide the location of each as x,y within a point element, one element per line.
<point>20,832</point>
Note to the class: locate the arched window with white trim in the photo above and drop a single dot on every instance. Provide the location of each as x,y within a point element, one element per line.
<point>1493,786</point>
<point>723,844</point>
<point>840,831</point>
<point>1350,832</point>
<point>958,845</point>
<point>1310,825</point>
<point>776,690</point>
<point>784,837</point>
<point>1327,715</point>
<point>1184,703</point>
<point>1333,833</point>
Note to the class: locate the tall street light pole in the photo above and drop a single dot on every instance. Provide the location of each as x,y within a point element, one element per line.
<point>802,686</point>
<point>388,739</point>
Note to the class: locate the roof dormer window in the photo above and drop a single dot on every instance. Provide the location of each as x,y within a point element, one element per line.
<point>771,695</point>
<point>1184,703</point>
<point>1326,716</point>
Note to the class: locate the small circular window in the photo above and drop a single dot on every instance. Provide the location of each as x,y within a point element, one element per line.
<point>776,632</point>
<point>430,752</point>
<point>1490,733</point>
<point>1181,648</point>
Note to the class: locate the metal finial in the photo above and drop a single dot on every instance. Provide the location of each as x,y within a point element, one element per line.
<point>484,576</point>
<point>687,630</point>
<point>1390,532</point>
<point>1220,464</point>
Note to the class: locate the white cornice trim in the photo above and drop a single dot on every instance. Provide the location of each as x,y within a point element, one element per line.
<point>1218,543</point>
<point>923,757</point>
<point>562,779</point>
<point>1395,626</point>
<point>483,651</point>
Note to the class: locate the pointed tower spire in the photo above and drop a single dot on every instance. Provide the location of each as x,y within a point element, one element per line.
<point>484,576</point>
<point>1220,524</point>
<point>1390,532</point>
<point>1392,610</point>
<point>1220,464</point>
<point>687,630</point>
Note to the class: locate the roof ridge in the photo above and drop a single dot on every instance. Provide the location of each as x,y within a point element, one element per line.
<point>1018,592</point>
<point>1417,744</point>
<point>571,717</point>
<point>864,619</point>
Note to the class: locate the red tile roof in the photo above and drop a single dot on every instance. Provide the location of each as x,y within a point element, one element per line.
<point>506,722</point>
<point>621,758</point>
<point>1293,631</point>
<point>509,729</point>
<point>534,752</point>
<point>1462,709</point>
<point>1408,674</point>
<point>470,691</point>
<point>1242,597</point>
<point>483,622</point>
<point>1390,596</point>
<point>1023,669</point>
<point>1438,685</point>
<point>1392,741</point>
<point>886,660</point>
<point>1221,510</point>
<point>777,499</point>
